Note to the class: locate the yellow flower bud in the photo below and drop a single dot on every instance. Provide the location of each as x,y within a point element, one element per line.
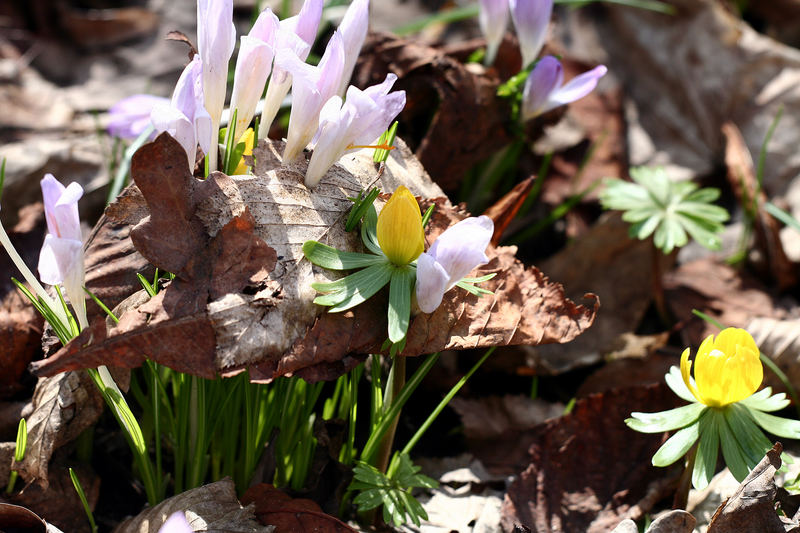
<point>400,233</point>
<point>727,368</point>
<point>248,138</point>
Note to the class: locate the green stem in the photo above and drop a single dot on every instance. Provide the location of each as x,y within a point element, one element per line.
<point>394,385</point>
<point>685,481</point>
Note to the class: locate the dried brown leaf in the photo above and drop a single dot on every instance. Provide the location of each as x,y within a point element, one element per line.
<point>274,507</point>
<point>752,507</point>
<point>506,208</point>
<point>212,508</point>
<point>589,470</point>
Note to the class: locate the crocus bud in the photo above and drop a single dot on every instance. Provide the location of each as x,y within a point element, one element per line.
<point>457,251</point>
<point>61,258</point>
<point>185,118</point>
<point>399,230</point>
<point>363,117</point>
<point>727,368</point>
<point>531,19</point>
<point>176,523</point>
<point>544,91</point>
<point>216,39</point>
<point>354,28</point>
<point>252,69</point>
<point>129,117</point>
<point>493,19</point>
<point>311,88</point>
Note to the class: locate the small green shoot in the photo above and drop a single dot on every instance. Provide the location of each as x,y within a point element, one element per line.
<point>82,495</point>
<point>670,211</point>
<point>386,139</point>
<point>360,206</point>
<point>19,453</point>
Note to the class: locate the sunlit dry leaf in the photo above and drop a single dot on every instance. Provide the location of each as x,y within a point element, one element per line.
<point>588,470</point>
<point>275,508</point>
<point>212,508</point>
<point>752,507</point>
<point>503,211</point>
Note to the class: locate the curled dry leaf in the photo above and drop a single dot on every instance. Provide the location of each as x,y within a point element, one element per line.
<point>19,518</point>
<point>275,508</point>
<point>752,507</point>
<point>588,470</point>
<point>243,298</point>
<point>212,508</point>
<point>503,211</point>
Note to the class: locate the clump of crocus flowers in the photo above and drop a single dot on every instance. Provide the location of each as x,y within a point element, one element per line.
<point>396,240</point>
<point>724,410</point>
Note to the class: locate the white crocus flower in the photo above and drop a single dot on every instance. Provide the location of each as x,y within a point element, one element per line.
<point>354,28</point>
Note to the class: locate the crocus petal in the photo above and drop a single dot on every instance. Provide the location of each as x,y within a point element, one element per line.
<point>399,229</point>
<point>61,208</point>
<point>353,27</point>
<point>171,120</point>
<point>216,39</point>
<point>59,258</point>
<point>493,20</point>
<point>252,70</point>
<point>129,117</point>
<point>432,282</point>
<point>461,247</point>
<point>577,87</point>
<point>176,523</point>
<point>311,88</point>
<point>531,18</point>
<point>306,23</point>
<point>543,80</point>
<point>330,141</point>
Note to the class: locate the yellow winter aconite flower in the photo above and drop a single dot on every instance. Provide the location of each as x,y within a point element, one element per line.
<point>400,233</point>
<point>727,368</point>
<point>248,138</point>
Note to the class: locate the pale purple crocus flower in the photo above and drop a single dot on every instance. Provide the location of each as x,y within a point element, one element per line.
<point>544,90</point>
<point>130,117</point>
<point>61,257</point>
<point>347,126</point>
<point>493,20</point>
<point>176,523</point>
<point>252,69</point>
<point>185,117</point>
<point>531,19</point>
<point>216,39</point>
<point>312,87</point>
<point>296,35</point>
<point>354,28</point>
<point>452,256</point>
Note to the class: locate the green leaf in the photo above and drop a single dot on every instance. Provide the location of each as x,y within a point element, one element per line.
<point>369,499</point>
<point>400,302</point>
<point>781,427</point>
<point>666,420</point>
<point>705,463</point>
<point>386,139</point>
<point>733,454</point>
<point>480,279</point>
<point>354,289</point>
<point>677,445</point>
<point>762,401</point>
<point>675,382</point>
<point>369,231</point>
<point>360,207</point>
<point>22,440</point>
<point>753,442</point>
<point>335,259</point>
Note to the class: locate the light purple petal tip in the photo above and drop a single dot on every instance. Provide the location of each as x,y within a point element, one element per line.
<point>432,281</point>
<point>542,81</point>
<point>531,19</point>
<point>579,86</point>
<point>176,523</point>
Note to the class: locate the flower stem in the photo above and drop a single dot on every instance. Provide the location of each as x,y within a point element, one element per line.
<point>394,384</point>
<point>685,481</point>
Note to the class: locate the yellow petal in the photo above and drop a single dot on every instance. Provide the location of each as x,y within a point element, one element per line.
<point>686,374</point>
<point>400,233</point>
<point>248,139</point>
<point>727,368</point>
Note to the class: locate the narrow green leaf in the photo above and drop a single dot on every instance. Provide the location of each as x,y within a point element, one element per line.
<point>369,230</point>
<point>735,457</point>
<point>778,426</point>
<point>353,289</point>
<point>677,445</point>
<point>762,401</point>
<point>82,496</point>
<point>360,207</point>
<point>705,463</point>
<point>472,289</point>
<point>400,302</point>
<point>753,442</point>
<point>666,420</point>
<point>426,216</point>
<point>334,259</point>
<point>782,215</point>
<point>386,139</point>
<point>22,440</point>
<point>675,382</point>
<point>480,279</point>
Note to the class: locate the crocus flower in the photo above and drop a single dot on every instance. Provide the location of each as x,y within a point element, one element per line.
<point>359,121</point>
<point>312,87</point>
<point>61,258</point>
<point>353,27</point>
<point>249,140</point>
<point>252,69</point>
<point>176,523</point>
<point>185,118</point>
<point>452,256</point>
<point>531,18</point>
<point>129,117</point>
<point>727,368</point>
<point>216,39</point>
<point>493,19</point>
<point>399,230</point>
<point>544,90</point>
<point>295,35</point>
